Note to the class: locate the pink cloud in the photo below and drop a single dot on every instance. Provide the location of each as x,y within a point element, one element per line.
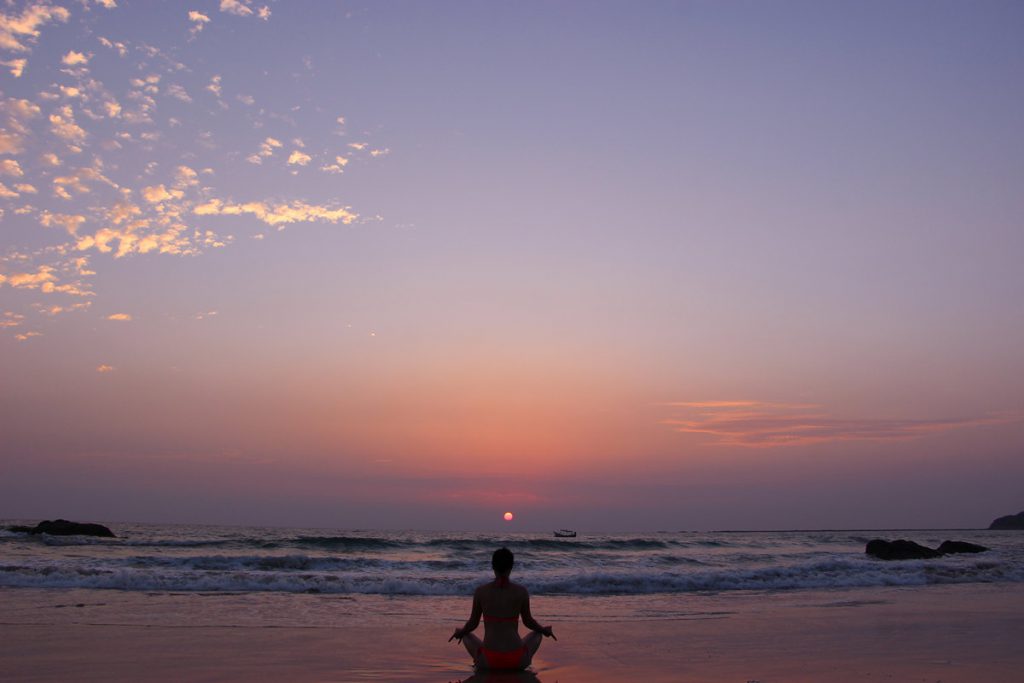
<point>757,424</point>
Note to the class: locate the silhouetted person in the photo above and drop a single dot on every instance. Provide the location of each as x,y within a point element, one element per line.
<point>501,603</point>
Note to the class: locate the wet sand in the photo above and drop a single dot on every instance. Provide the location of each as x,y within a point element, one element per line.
<point>952,634</point>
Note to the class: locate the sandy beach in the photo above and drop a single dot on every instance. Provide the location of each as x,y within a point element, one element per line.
<point>952,634</point>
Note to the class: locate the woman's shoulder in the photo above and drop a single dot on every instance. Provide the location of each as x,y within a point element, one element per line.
<point>489,586</point>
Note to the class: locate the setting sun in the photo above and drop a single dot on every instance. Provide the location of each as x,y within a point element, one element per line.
<point>509,516</point>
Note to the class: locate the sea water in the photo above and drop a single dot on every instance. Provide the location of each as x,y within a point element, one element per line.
<point>266,565</point>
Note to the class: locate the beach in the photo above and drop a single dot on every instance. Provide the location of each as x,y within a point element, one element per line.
<point>952,634</point>
<point>218,603</point>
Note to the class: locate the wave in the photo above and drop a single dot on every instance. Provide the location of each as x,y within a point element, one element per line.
<point>304,574</point>
<point>347,542</point>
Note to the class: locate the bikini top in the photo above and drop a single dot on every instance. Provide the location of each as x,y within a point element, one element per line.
<point>500,582</point>
<point>491,620</point>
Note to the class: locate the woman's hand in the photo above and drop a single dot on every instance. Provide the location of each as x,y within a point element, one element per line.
<point>457,635</point>
<point>548,632</point>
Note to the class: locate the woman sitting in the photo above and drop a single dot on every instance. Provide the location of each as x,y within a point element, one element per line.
<point>501,603</point>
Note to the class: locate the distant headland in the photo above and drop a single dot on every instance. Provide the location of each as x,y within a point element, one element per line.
<point>1008,522</point>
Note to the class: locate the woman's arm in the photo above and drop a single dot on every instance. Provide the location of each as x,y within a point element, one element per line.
<point>531,623</point>
<point>472,622</point>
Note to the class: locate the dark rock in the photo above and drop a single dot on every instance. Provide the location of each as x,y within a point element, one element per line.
<point>951,547</point>
<point>1009,522</point>
<point>63,527</point>
<point>899,550</point>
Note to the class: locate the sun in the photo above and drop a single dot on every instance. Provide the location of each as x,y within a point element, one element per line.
<point>509,516</point>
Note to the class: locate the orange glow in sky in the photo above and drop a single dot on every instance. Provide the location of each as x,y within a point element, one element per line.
<point>739,293</point>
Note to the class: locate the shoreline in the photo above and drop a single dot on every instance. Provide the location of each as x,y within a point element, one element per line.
<point>953,633</point>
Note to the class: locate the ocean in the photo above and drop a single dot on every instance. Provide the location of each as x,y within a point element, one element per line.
<point>249,560</point>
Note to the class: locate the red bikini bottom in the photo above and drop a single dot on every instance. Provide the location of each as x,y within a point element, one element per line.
<point>513,659</point>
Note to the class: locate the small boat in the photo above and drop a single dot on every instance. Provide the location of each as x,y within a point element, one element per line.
<point>565,533</point>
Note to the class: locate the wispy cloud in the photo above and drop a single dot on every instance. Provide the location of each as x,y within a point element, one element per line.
<point>267,148</point>
<point>759,424</point>
<point>18,29</point>
<point>17,66</point>
<point>63,126</point>
<point>73,58</point>
<point>337,167</point>
<point>86,173</point>
<point>237,7</point>
<point>16,114</point>
<point>298,158</point>
<point>199,20</point>
<point>278,214</point>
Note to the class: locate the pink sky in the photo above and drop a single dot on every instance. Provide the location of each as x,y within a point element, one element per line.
<point>675,266</point>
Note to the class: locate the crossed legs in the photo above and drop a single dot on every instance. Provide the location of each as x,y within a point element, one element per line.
<point>474,645</point>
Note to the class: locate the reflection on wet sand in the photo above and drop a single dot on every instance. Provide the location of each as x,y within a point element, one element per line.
<point>502,677</point>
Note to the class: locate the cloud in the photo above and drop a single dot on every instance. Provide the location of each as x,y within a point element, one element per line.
<point>50,159</point>
<point>44,276</point>
<point>299,158</point>
<point>267,148</point>
<point>13,27</point>
<point>25,188</point>
<point>73,58</point>
<point>54,309</point>
<point>178,92</point>
<point>11,167</point>
<point>159,193</point>
<point>139,236</point>
<point>17,66</point>
<point>27,335</point>
<point>757,424</point>
<point>236,7</point>
<point>63,126</point>
<point>337,167</point>
<point>277,214</point>
<point>105,368</point>
<point>77,179</point>
<point>380,152</point>
<point>199,22</point>
<point>70,222</point>
<point>16,114</point>
<point>214,86</point>
<point>122,49</point>
<point>7,193</point>
<point>10,319</point>
<point>264,13</point>
<point>185,177</point>
<point>120,316</point>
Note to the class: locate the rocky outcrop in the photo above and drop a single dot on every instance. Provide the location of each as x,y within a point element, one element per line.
<point>1008,522</point>
<point>952,547</point>
<point>62,527</point>
<point>899,550</point>
<point>908,550</point>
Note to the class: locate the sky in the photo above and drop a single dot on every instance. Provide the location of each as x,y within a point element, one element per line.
<point>606,265</point>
